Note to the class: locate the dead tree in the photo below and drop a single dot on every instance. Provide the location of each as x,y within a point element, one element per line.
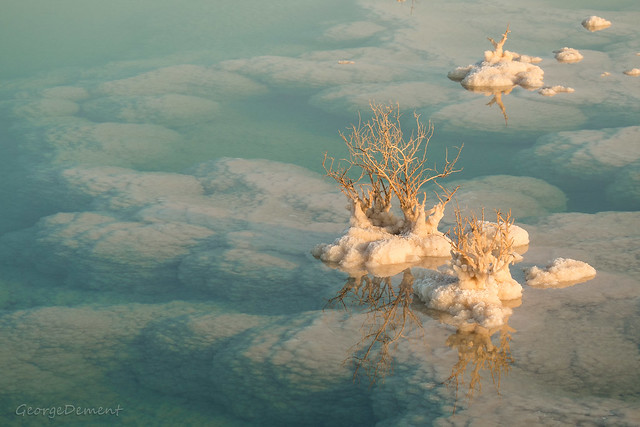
<point>383,165</point>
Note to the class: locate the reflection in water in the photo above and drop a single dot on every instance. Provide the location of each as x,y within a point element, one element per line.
<point>389,313</point>
<point>497,99</point>
<point>391,316</point>
<point>477,353</point>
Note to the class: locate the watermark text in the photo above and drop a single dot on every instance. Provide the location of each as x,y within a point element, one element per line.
<point>25,410</point>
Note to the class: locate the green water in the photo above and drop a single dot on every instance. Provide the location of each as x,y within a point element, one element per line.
<point>161,187</point>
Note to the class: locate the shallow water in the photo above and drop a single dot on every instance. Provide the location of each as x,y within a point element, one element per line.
<point>161,189</point>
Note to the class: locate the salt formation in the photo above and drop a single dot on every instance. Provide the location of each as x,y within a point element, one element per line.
<point>500,69</point>
<point>560,273</point>
<point>595,23</point>
<point>395,170</point>
<point>554,90</point>
<point>633,72</point>
<point>478,279</point>
<point>568,55</point>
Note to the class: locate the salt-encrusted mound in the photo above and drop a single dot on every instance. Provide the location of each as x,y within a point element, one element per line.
<point>554,90</point>
<point>467,306</point>
<point>503,74</point>
<point>568,55</point>
<point>500,69</point>
<point>561,272</point>
<point>595,23</point>
<point>609,239</point>
<point>373,247</point>
<point>634,72</point>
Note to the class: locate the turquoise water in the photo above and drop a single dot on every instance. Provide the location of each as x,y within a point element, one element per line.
<point>161,187</point>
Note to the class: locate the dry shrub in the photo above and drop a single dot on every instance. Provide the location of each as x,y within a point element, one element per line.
<point>384,166</point>
<point>481,250</point>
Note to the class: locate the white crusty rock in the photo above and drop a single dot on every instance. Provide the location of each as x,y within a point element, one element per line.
<point>554,90</point>
<point>595,23</point>
<point>560,273</point>
<point>568,55</point>
<point>443,292</point>
<point>500,69</point>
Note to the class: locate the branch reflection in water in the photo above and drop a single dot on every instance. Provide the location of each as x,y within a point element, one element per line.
<point>480,350</point>
<point>393,315</point>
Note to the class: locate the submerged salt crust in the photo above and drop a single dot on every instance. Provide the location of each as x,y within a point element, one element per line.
<point>608,156</point>
<point>521,195</point>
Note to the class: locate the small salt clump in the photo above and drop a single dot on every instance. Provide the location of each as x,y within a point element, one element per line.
<point>562,272</point>
<point>500,69</point>
<point>568,55</point>
<point>634,72</point>
<point>595,23</point>
<point>554,90</point>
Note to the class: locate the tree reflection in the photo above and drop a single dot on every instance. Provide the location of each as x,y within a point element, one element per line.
<point>388,314</point>
<point>496,98</point>
<point>478,354</point>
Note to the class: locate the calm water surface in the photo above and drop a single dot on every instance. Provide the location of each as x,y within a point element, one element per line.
<point>161,188</point>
